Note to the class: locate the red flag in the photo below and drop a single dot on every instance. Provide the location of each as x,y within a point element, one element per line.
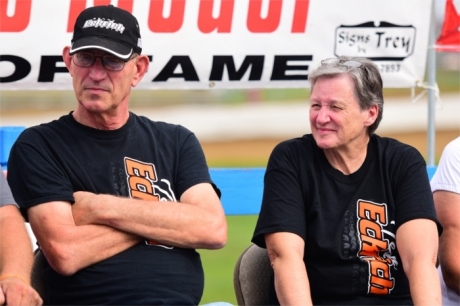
<point>449,39</point>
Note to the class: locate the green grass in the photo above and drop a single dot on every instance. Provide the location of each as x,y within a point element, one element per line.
<point>219,264</point>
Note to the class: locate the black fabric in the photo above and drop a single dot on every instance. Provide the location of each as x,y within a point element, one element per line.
<point>107,28</point>
<point>304,195</point>
<point>51,161</point>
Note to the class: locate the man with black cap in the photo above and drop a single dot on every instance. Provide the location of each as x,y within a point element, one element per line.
<point>118,203</point>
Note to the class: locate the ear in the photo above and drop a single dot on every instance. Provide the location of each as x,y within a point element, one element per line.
<point>142,66</point>
<point>372,113</point>
<point>67,58</point>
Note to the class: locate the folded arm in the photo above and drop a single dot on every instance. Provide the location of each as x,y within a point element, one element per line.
<point>68,247</point>
<point>286,251</point>
<point>198,221</point>
<point>448,212</point>
<point>417,242</point>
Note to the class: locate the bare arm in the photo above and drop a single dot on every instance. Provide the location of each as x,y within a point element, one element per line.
<point>286,251</point>
<point>198,221</point>
<point>68,247</point>
<point>16,259</point>
<point>417,242</point>
<point>448,211</point>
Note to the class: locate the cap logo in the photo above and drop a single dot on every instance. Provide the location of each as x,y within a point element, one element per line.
<point>102,23</point>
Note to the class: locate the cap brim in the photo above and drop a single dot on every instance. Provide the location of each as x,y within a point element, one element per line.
<point>103,44</point>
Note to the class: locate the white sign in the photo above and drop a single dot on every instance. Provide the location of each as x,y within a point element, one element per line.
<point>204,44</point>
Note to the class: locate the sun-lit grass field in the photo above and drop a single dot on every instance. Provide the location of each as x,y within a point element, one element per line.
<point>219,264</point>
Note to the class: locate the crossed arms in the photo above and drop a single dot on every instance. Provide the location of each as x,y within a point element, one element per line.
<point>97,227</point>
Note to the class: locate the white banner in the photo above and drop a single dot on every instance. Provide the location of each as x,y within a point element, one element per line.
<point>204,44</point>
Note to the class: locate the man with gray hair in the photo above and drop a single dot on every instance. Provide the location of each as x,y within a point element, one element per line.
<point>118,203</point>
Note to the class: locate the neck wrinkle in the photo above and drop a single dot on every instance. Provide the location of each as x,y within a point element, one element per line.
<point>102,121</point>
<point>347,160</point>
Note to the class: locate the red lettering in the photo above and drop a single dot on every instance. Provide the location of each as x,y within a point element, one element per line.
<point>76,6</point>
<point>256,23</point>
<point>20,20</point>
<point>207,23</point>
<point>299,22</point>
<point>173,23</point>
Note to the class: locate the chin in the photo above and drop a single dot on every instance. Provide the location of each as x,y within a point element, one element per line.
<point>324,142</point>
<point>325,146</point>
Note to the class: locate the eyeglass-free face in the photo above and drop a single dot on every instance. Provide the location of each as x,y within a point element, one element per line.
<point>110,62</point>
<point>336,118</point>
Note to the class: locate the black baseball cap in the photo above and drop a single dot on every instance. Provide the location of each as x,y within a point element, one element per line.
<point>107,28</point>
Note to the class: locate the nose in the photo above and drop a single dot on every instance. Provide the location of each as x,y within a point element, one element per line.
<point>97,71</point>
<point>322,115</point>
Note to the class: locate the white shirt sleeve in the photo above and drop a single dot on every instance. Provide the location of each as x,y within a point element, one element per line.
<point>447,175</point>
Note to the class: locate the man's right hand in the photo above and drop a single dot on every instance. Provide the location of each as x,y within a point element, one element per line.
<point>14,291</point>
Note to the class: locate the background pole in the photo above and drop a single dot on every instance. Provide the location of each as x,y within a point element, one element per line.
<point>431,68</point>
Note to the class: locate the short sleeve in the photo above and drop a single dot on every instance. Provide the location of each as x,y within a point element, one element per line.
<point>35,176</point>
<point>283,208</point>
<point>192,167</point>
<point>447,175</point>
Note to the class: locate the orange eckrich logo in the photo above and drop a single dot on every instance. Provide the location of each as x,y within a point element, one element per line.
<point>140,178</point>
<point>374,248</point>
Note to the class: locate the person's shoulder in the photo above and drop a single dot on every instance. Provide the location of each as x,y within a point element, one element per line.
<point>453,147</point>
<point>296,143</point>
<point>450,156</point>
<point>397,153</point>
<point>32,133</point>
<point>392,144</point>
<point>160,125</point>
<point>164,129</point>
<point>299,146</point>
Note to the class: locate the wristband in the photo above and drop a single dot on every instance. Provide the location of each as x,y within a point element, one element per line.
<point>2,277</point>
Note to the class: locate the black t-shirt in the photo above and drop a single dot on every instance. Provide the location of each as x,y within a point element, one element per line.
<point>142,159</point>
<point>348,222</point>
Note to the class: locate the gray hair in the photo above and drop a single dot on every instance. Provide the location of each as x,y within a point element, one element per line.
<point>368,82</point>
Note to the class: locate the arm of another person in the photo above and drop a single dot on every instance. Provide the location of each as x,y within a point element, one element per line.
<point>286,252</point>
<point>448,212</point>
<point>417,242</point>
<point>68,247</point>
<point>197,221</point>
<point>16,259</point>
